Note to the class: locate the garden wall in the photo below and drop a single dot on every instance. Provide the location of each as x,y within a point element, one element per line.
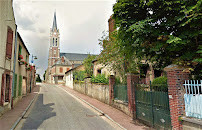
<point>101,93</point>
<point>97,91</point>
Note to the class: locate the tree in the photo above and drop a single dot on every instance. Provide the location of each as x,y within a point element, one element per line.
<point>38,79</point>
<point>89,65</point>
<point>113,55</point>
<point>160,31</point>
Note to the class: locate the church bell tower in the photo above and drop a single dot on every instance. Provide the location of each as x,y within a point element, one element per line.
<point>54,50</point>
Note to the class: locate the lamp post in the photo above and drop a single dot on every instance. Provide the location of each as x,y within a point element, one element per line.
<point>32,61</point>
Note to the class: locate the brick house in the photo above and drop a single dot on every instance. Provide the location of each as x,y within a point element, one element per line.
<point>7,41</point>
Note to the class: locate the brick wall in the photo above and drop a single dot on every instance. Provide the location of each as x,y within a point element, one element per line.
<point>132,79</point>
<point>176,77</point>
<point>111,88</point>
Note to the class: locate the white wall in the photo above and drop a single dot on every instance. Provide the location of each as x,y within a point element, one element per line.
<point>69,79</point>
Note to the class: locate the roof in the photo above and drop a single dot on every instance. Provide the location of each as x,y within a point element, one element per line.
<point>73,69</point>
<point>66,62</point>
<point>74,56</point>
<point>22,42</point>
<point>54,22</point>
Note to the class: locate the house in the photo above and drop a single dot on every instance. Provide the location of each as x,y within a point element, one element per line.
<point>22,71</point>
<point>15,75</point>
<point>7,42</point>
<point>69,75</point>
<point>99,68</point>
<point>147,71</point>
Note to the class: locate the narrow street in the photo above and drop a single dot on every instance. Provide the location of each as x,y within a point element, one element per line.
<point>56,109</point>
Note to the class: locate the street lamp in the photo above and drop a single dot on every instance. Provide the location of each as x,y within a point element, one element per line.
<point>32,61</point>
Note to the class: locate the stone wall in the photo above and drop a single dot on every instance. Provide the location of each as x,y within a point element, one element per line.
<point>97,91</point>
<point>191,124</point>
<point>102,93</point>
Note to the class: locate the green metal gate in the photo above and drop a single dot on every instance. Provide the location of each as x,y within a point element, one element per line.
<point>152,107</point>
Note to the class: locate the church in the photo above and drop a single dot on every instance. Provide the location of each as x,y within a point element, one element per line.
<point>59,63</point>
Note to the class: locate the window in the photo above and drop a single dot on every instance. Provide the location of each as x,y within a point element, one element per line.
<point>61,69</point>
<point>54,51</point>
<point>56,42</point>
<point>9,43</point>
<point>19,52</point>
<point>26,58</point>
<point>99,71</point>
<point>53,41</point>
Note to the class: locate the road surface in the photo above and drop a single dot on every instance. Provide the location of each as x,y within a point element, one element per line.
<point>55,109</point>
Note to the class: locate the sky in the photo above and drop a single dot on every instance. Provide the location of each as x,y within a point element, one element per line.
<point>81,24</point>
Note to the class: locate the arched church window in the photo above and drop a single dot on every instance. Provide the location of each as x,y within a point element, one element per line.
<point>56,40</point>
<point>53,41</point>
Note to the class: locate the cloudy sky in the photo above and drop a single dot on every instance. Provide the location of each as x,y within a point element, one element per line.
<point>81,23</point>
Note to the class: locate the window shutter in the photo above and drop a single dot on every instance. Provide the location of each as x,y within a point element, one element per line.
<point>10,88</point>
<point>9,43</point>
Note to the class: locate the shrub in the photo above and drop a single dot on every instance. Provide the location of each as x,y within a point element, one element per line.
<point>160,84</point>
<point>78,75</point>
<point>100,78</point>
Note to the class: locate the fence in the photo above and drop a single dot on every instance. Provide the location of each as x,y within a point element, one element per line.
<point>120,92</point>
<point>152,107</point>
<point>193,98</point>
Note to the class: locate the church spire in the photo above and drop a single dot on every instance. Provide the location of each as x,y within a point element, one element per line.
<point>54,22</point>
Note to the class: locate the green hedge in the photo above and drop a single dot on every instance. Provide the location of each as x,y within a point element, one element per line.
<point>160,84</point>
<point>100,78</point>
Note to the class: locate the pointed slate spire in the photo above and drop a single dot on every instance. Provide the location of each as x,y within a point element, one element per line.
<point>54,22</point>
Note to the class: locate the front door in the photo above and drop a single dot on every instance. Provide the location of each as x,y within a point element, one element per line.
<point>24,86</point>
<point>7,88</point>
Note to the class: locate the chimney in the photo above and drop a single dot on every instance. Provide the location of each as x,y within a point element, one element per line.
<point>63,59</point>
<point>111,23</point>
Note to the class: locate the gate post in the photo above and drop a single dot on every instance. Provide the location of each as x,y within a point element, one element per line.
<point>176,77</point>
<point>111,88</point>
<point>132,79</point>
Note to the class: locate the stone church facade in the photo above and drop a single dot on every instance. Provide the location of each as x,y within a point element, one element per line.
<point>59,63</point>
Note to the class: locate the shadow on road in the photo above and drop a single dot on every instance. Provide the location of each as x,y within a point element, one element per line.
<point>39,114</point>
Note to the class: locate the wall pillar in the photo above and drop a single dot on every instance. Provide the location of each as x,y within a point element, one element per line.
<point>176,77</point>
<point>111,88</point>
<point>132,80</point>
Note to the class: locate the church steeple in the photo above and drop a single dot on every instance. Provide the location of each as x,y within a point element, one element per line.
<point>54,22</point>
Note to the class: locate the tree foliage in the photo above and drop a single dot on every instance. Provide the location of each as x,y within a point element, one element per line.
<point>78,75</point>
<point>114,56</point>
<point>89,65</point>
<point>160,31</point>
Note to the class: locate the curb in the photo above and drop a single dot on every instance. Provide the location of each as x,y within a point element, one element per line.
<point>22,115</point>
<point>95,109</point>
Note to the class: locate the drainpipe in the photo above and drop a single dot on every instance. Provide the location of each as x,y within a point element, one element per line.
<point>14,64</point>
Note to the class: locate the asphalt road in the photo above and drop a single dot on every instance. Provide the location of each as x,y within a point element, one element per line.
<point>54,109</point>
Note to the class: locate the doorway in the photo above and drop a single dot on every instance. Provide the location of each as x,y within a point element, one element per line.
<point>24,86</point>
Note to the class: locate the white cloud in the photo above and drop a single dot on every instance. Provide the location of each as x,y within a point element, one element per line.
<point>80,22</point>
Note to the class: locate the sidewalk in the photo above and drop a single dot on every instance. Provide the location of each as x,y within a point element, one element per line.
<point>10,117</point>
<point>115,114</point>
